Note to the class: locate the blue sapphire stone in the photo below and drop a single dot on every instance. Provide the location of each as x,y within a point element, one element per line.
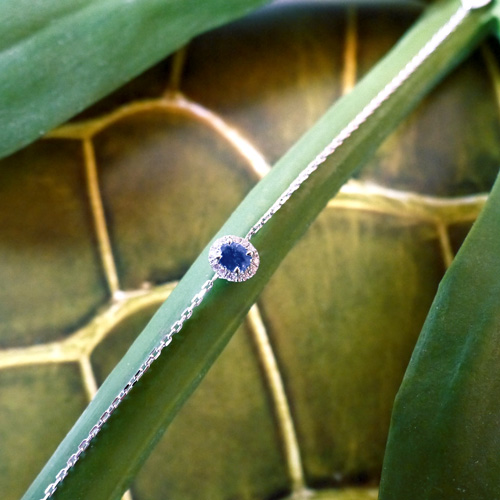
<point>234,255</point>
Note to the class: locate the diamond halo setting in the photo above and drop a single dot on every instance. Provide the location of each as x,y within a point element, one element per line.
<point>233,258</point>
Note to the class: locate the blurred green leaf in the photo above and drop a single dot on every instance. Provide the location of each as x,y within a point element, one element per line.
<point>445,431</point>
<point>495,11</point>
<point>57,58</point>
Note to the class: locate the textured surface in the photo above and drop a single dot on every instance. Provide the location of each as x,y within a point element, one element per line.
<point>38,402</point>
<point>48,251</point>
<point>360,340</point>
<point>105,214</point>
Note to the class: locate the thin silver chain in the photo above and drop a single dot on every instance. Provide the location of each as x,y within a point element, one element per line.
<point>153,355</point>
<point>361,118</point>
<point>364,114</point>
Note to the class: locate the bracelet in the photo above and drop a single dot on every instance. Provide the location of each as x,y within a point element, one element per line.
<point>234,258</point>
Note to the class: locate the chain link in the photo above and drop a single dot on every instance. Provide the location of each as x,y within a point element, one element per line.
<point>153,355</point>
<point>361,118</point>
<point>364,114</point>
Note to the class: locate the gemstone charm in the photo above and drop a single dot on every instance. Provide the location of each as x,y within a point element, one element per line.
<point>233,258</point>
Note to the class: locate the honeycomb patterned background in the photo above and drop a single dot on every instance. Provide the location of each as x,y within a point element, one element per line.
<point>101,218</point>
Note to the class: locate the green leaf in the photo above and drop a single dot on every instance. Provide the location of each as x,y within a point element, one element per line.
<point>445,431</point>
<point>57,58</point>
<point>496,15</point>
<point>140,420</point>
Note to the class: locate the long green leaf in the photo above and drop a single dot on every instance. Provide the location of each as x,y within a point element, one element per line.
<point>109,465</point>
<point>444,439</point>
<point>58,57</point>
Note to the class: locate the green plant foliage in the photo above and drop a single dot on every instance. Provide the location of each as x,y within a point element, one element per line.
<point>445,431</point>
<point>152,404</point>
<point>57,58</point>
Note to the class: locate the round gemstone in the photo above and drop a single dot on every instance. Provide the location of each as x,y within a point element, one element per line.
<point>233,258</point>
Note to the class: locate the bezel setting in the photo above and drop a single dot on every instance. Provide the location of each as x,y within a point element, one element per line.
<point>215,255</point>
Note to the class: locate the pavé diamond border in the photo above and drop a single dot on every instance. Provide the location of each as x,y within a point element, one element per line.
<point>214,256</point>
